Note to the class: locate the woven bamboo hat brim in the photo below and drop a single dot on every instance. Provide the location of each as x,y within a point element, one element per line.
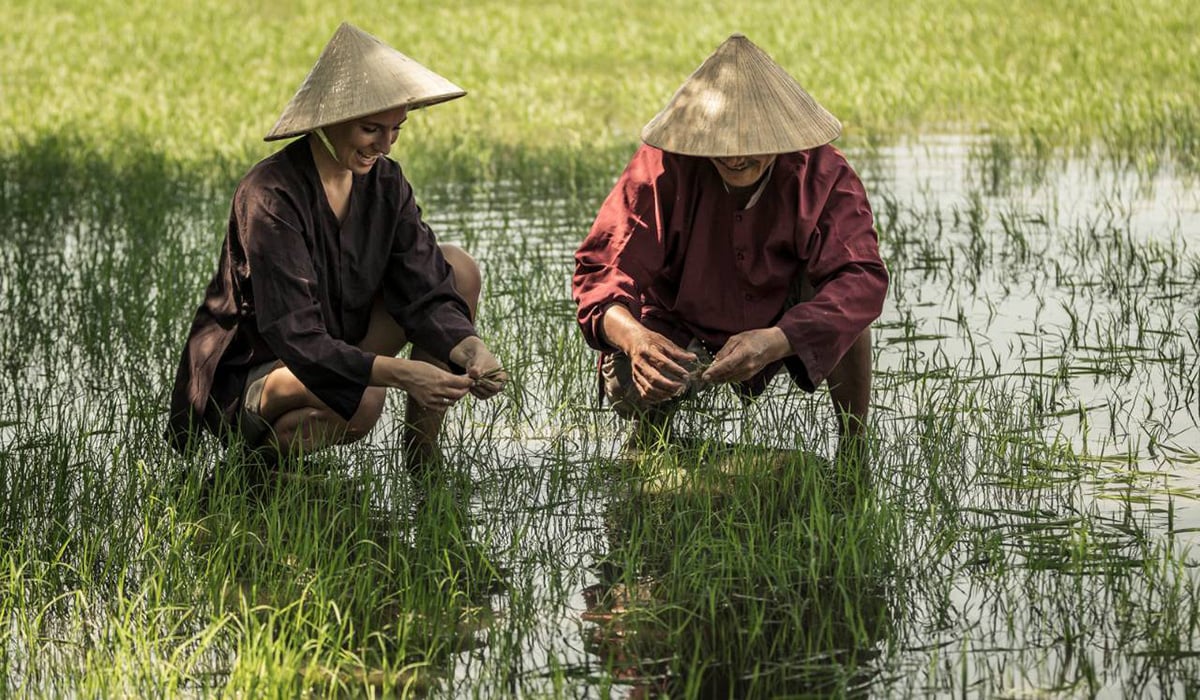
<point>355,76</point>
<point>740,102</point>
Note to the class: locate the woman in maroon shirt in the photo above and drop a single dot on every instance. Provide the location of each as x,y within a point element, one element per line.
<point>327,271</point>
<point>737,231</point>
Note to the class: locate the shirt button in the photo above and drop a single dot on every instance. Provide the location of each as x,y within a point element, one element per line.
<point>741,256</point>
<point>749,297</point>
<point>737,217</point>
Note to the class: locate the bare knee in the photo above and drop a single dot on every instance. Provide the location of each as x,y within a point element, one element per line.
<point>370,409</point>
<point>313,428</point>
<point>384,336</point>
<point>467,278</point>
<point>308,429</point>
<point>283,393</point>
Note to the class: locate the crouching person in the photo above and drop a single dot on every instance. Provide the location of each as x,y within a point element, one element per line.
<point>735,235</point>
<point>327,271</point>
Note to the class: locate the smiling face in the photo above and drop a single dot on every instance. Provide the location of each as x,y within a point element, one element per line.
<point>742,171</point>
<point>358,143</point>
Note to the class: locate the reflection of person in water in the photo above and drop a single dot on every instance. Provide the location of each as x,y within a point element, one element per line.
<point>328,270</point>
<point>717,585</point>
<point>736,231</point>
<point>408,580</point>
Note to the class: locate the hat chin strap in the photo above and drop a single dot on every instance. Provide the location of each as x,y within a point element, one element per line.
<point>325,140</point>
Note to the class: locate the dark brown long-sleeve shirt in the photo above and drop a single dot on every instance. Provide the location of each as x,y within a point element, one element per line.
<point>296,285</point>
<point>670,244</point>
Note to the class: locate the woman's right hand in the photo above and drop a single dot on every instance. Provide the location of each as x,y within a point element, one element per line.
<point>432,387</point>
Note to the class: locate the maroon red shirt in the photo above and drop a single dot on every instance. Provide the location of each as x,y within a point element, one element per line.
<point>670,244</point>
<point>296,285</point>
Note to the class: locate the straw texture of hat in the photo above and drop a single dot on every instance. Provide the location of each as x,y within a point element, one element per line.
<point>355,76</point>
<point>740,102</point>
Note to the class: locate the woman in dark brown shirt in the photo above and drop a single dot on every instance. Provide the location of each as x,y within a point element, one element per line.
<point>327,271</point>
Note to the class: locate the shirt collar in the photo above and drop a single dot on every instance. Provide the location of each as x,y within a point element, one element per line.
<point>762,185</point>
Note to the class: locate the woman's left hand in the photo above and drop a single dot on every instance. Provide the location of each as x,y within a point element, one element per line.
<point>489,376</point>
<point>482,366</point>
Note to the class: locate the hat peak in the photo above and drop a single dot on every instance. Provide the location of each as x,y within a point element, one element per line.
<point>740,103</point>
<point>357,75</point>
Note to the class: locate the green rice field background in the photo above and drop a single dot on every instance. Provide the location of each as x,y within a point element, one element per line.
<point>1027,527</point>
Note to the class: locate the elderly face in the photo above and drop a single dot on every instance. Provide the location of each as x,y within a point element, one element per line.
<point>359,142</point>
<point>743,171</point>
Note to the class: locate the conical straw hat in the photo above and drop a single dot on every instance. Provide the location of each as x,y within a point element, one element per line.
<point>740,102</point>
<point>357,75</point>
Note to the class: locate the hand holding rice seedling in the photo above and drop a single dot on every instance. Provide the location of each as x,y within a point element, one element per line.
<point>490,383</point>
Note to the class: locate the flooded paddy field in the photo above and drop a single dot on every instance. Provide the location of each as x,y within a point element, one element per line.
<point>1027,527</point>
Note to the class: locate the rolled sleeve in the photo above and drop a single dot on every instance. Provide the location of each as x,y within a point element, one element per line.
<point>625,248</point>
<point>847,274</point>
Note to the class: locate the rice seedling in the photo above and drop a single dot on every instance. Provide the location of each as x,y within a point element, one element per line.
<point>1018,515</point>
<point>1028,521</point>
